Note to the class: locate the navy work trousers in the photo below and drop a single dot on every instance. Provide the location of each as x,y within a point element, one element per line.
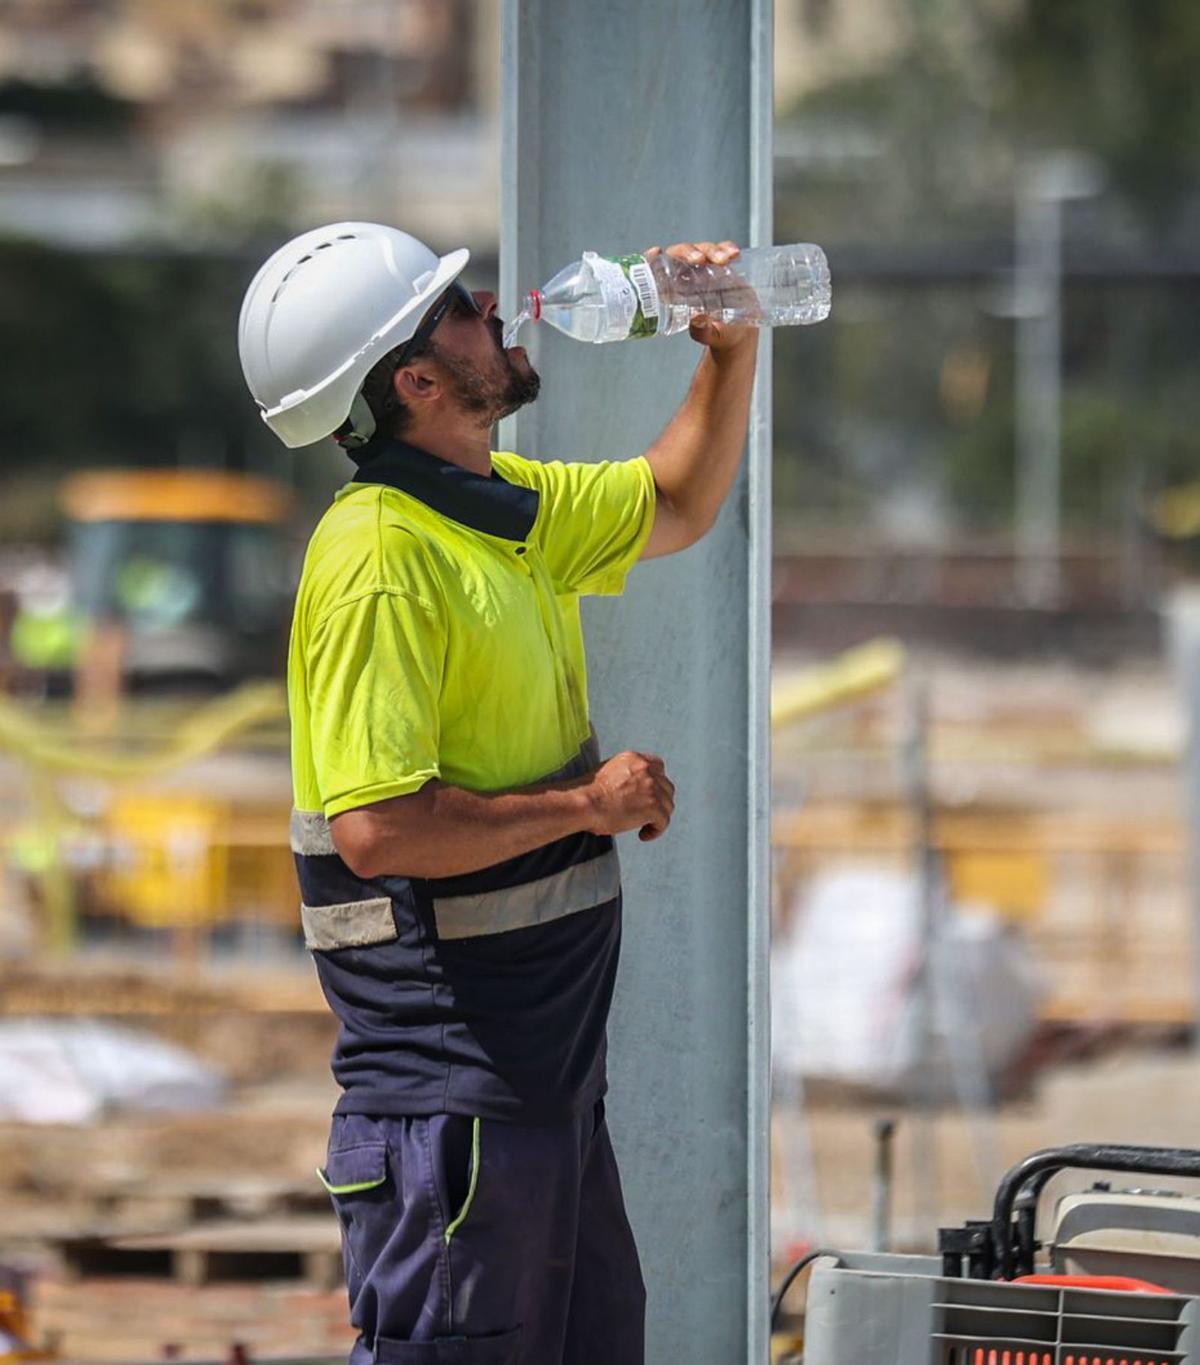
<point>485,1243</point>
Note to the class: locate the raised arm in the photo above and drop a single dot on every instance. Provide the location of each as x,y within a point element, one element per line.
<point>696,458</point>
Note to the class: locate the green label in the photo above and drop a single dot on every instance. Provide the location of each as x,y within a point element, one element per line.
<point>637,271</point>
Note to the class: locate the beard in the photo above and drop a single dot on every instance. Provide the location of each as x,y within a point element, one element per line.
<point>491,394</point>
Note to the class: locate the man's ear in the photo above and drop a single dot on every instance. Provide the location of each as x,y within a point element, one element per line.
<point>416,383</point>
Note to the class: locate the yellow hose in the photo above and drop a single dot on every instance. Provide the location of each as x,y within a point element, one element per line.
<point>857,673</point>
<point>57,748</point>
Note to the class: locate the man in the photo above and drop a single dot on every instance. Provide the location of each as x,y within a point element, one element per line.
<point>454,822</point>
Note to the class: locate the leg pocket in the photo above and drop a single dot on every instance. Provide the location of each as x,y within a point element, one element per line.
<point>351,1170</point>
<point>356,1179</point>
<point>492,1350</point>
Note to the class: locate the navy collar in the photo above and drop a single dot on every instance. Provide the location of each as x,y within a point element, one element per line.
<point>491,505</point>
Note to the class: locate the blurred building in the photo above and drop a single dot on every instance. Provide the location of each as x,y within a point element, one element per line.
<point>185,121</point>
<point>818,41</point>
<point>127,119</point>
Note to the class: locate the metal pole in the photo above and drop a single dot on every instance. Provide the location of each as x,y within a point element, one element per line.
<point>915,761</point>
<point>624,126</point>
<point>1039,392</point>
<point>881,1220</point>
<point>1042,189</point>
<point>754,533</point>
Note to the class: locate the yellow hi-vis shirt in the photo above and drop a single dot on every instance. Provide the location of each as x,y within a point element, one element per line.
<point>436,631</point>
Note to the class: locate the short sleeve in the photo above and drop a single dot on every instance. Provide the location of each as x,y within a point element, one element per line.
<point>374,675</point>
<point>594,521</point>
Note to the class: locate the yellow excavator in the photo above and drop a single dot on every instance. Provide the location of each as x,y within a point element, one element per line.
<point>177,577</point>
<point>180,588</point>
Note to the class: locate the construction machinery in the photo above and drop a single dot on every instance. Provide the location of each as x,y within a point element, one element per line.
<point>167,838</point>
<point>1115,1279</point>
<point>180,575</point>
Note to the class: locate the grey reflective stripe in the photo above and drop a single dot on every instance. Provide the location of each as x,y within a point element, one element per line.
<point>311,834</point>
<point>353,925</point>
<point>581,887</point>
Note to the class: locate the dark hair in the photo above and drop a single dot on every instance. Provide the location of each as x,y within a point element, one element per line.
<point>392,415</point>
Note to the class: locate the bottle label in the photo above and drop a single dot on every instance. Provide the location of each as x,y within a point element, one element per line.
<point>645,320</point>
<point>630,295</point>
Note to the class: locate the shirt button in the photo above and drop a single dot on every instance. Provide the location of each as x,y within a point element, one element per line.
<point>520,549</point>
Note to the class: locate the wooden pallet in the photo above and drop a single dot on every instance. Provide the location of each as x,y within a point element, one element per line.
<point>182,1203</point>
<point>301,1248</point>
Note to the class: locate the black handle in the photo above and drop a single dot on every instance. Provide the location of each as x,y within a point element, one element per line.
<point>1029,1178</point>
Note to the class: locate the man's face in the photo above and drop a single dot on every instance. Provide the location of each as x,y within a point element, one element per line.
<point>482,377</point>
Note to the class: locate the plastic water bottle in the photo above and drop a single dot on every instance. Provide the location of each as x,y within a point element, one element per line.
<point>618,298</point>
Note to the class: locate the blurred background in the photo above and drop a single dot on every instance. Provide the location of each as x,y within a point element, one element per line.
<point>986,517</point>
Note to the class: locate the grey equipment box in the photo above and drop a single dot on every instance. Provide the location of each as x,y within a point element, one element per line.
<point>1150,1234</point>
<point>975,1303</point>
<point>873,1309</point>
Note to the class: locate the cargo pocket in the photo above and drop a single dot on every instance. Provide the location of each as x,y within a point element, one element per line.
<point>355,1178</point>
<point>355,1169</point>
<point>493,1350</point>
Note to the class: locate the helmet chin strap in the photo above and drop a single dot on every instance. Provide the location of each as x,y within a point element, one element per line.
<point>359,426</point>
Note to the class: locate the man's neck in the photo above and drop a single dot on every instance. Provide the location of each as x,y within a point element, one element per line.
<point>460,444</point>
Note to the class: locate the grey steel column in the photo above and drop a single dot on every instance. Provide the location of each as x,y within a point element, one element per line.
<point>625,125</point>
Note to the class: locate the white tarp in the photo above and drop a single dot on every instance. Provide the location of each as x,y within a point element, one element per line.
<point>72,1071</point>
<point>844,983</point>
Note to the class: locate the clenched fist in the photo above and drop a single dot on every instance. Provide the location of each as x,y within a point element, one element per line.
<point>632,791</point>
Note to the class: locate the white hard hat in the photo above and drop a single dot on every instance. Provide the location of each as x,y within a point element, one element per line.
<point>323,310</point>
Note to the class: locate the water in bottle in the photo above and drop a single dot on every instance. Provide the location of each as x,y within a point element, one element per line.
<point>618,298</point>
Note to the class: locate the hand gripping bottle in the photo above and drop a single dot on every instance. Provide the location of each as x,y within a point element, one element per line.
<point>618,298</point>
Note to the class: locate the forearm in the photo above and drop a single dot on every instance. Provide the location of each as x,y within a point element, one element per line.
<point>445,831</point>
<point>696,459</point>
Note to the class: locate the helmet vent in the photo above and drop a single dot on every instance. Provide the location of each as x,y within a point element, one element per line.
<point>289,274</point>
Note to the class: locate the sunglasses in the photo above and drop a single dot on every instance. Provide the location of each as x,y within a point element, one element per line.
<point>457,296</point>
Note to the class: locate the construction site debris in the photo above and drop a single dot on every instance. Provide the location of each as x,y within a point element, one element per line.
<point>70,1071</point>
<point>848,978</point>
